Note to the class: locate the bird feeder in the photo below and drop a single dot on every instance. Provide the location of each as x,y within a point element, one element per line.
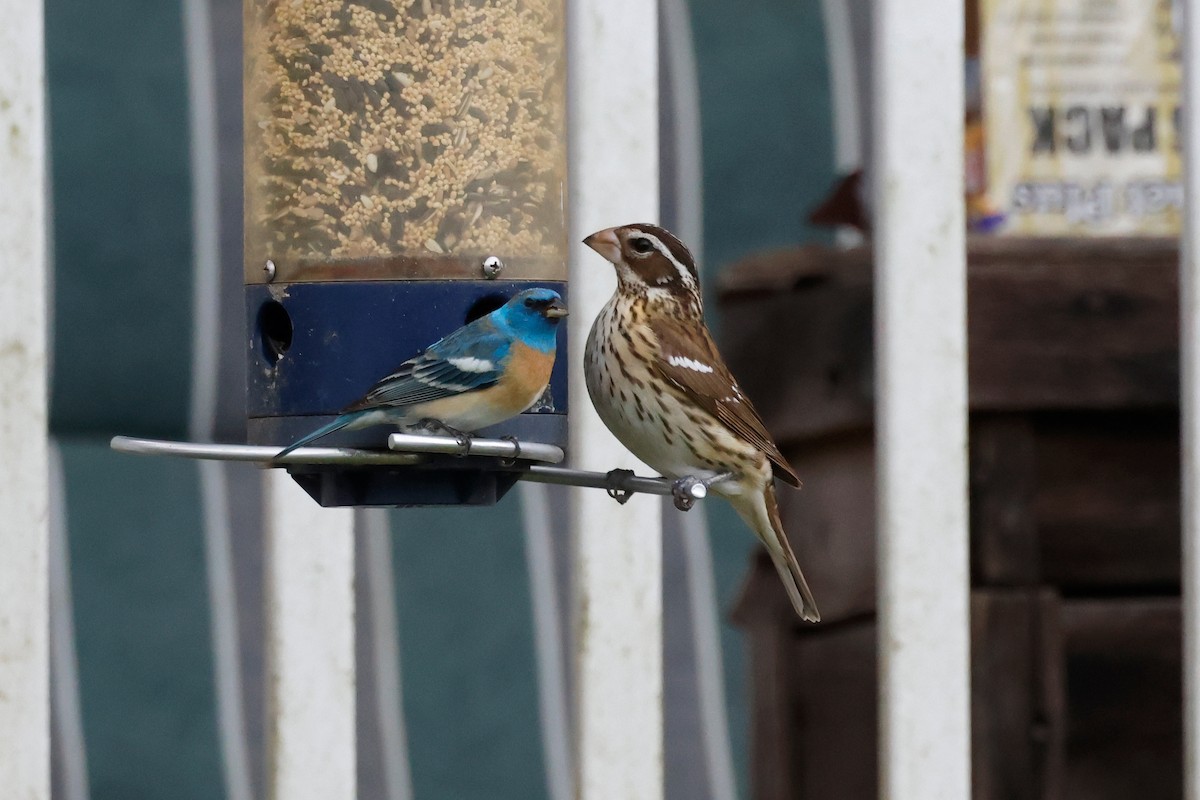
<point>405,173</point>
<point>405,166</point>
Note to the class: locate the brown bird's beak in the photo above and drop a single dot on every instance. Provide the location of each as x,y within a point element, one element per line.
<point>557,309</point>
<point>606,243</point>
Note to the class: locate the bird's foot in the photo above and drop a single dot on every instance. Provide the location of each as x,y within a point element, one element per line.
<point>437,426</point>
<point>464,442</point>
<point>616,485</point>
<point>433,425</point>
<point>684,492</point>
<point>688,489</point>
<point>511,460</point>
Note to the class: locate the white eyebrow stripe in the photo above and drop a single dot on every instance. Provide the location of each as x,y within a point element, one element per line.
<point>472,364</point>
<point>688,363</point>
<point>685,274</point>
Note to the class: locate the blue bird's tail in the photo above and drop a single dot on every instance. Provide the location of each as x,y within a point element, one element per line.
<point>339,423</point>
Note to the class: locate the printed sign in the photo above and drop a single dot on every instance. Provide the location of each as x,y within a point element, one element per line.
<point>1081,116</point>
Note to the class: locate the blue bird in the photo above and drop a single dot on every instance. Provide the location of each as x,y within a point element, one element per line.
<point>483,373</point>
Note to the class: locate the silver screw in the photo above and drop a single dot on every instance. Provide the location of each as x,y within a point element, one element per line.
<point>269,269</point>
<point>492,266</point>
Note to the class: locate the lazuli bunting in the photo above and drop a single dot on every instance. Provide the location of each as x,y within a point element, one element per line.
<point>483,373</point>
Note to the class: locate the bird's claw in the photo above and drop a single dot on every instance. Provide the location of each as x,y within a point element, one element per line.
<point>616,485</point>
<point>688,489</point>
<point>437,426</point>
<point>462,438</point>
<point>682,492</point>
<point>511,460</point>
<point>464,443</point>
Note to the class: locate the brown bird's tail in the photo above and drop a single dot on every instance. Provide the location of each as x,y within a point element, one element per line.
<point>761,513</point>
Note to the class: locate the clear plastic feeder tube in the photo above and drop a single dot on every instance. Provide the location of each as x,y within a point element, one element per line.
<point>402,132</point>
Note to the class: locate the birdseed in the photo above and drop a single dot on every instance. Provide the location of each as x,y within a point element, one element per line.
<point>385,127</point>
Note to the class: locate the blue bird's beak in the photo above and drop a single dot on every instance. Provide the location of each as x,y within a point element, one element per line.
<point>555,309</point>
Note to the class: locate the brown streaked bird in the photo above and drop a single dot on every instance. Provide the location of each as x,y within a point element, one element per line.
<point>660,385</point>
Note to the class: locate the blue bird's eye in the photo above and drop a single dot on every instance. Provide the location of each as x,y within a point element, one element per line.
<point>529,302</point>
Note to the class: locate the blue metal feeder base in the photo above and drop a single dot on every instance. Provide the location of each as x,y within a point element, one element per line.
<point>444,482</point>
<point>315,348</point>
<point>438,484</point>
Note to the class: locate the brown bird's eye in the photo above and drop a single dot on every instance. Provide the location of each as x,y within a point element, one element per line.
<point>641,245</point>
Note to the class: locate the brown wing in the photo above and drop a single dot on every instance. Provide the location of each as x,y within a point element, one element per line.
<point>689,359</point>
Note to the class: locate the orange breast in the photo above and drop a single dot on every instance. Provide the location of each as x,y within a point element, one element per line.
<point>525,378</point>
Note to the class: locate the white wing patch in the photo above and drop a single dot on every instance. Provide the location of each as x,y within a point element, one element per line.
<point>472,364</point>
<point>688,363</point>
<point>454,387</point>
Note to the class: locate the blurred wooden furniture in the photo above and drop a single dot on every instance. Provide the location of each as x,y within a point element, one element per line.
<point>1074,518</point>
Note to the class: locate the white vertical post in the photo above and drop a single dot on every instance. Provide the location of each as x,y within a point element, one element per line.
<point>612,48</point>
<point>920,351</point>
<point>310,646</point>
<point>24,465</point>
<point>1189,400</point>
<point>843,85</point>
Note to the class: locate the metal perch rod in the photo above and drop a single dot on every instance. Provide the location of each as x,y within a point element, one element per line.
<point>563,476</point>
<point>472,446</point>
<point>412,450</point>
<point>260,453</point>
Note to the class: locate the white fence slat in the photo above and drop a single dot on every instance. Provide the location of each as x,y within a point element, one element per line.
<point>310,646</point>
<point>920,340</point>
<point>1189,353</point>
<point>613,124</point>
<point>24,453</point>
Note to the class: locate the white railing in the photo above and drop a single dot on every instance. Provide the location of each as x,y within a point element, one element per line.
<point>921,412</point>
<point>309,598</point>
<point>612,98</point>
<point>24,460</point>
<point>1189,400</point>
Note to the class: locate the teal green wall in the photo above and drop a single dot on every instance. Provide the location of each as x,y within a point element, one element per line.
<point>765,119</point>
<point>121,215</point>
<point>467,652</point>
<point>122,354</point>
<point>142,629</point>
